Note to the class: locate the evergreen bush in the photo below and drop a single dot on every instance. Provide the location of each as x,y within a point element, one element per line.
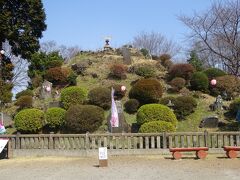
<point>73,95</point>
<point>100,96</point>
<point>131,106</point>
<point>184,105</point>
<point>146,91</point>
<point>55,117</point>
<point>24,102</point>
<point>84,118</point>
<point>29,120</point>
<point>157,127</point>
<point>177,84</point>
<point>155,112</point>
<point>27,92</point>
<point>234,107</point>
<point>199,82</point>
<point>184,71</point>
<point>213,73</point>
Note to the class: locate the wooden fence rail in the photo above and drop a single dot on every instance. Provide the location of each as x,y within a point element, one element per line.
<point>123,141</point>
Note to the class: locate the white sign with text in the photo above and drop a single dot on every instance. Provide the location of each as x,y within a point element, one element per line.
<point>3,143</point>
<point>102,153</point>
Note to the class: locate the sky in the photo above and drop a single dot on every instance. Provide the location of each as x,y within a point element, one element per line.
<point>85,23</point>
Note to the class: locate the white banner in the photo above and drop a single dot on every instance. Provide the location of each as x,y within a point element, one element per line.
<point>114,113</point>
<point>3,143</point>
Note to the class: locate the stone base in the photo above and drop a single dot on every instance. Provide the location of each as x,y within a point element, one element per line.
<point>103,162</point>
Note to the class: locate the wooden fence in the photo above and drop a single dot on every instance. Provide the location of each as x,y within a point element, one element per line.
<point>123,141</point>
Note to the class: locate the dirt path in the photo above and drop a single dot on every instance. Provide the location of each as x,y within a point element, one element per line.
<point>124,167</point>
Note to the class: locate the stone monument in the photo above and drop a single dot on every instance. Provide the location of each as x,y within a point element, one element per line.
<point>107,46</point>
<point>126,56</point>
<point>46,90</point>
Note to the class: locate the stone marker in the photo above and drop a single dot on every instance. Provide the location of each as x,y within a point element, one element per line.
<point>102,156</point>
<point>238,115</point>
<point>46,90</point>
<point>126,56</point>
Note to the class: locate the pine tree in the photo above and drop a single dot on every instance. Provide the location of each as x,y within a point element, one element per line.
<point>195,61</point>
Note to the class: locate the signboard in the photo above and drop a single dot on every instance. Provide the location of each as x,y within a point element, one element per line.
<point>3,143</point>
<point>102,153</point>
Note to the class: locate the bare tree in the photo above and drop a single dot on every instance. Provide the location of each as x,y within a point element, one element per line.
<point>66,52</point>
<point>217,31</point>
<point>20,77</point>
<point>155,43</point>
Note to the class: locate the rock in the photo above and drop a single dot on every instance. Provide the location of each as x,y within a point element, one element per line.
<point>209,122</point>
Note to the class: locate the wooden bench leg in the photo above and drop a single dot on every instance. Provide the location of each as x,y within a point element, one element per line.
<point>231,154</point>
<point>177,155</point>
<point>201,154</point>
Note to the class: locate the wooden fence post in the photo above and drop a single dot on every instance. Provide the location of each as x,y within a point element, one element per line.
<point>18,146</point>
<point>51,140</point>
<point>206,138</point>
<point>164,140</point>
<point>87,146</point>
<point>9,149</point>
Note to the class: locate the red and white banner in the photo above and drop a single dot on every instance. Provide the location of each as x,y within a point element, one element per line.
<point>114,113</point>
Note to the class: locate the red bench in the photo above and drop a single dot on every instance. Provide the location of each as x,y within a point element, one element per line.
<point>231,151</point>
<point>200,152</point>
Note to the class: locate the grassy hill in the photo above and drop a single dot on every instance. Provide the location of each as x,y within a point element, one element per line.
<point>95,72</point>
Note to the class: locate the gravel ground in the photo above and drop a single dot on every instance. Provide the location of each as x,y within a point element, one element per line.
<point>120,167</point>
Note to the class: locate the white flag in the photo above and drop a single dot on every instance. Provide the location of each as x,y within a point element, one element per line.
<point>114,113</point>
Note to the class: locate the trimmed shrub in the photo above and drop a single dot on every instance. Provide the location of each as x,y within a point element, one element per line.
<point>73,95</point>
<point>184,71</point>
<point>84,118</point>
<point>55,117</point>
<point>199,82</point>
<point>26,92</point>
<point>118,71</point>
<point>29,120</point>
<point>184,105</point>
<point>131,106</point>
<point>177,84</point>
<point>100,96</point>
<point>214,72</point>
<point>234,107</point>
<point>24,102</point>
<point>61,75</point>
<point>146,71</point>
<point>146,91</point>
<point>155,112</point>
<point>157,127</point>
<point>227,85</point>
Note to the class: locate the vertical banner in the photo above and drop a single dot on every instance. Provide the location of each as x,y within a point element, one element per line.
<point>114,113</point>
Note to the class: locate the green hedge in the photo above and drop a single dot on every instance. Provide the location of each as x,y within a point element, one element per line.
<point>29,120</point>
<point>155,112</point>
<point>73,95</point>
<point>55,117</point>
<point>146,91</point>
<point>156,127</point>
<point>100,96</point>
<point>84,118</point>
<point>199,81</point>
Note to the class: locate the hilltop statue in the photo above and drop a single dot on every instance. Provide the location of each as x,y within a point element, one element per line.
<point>107,46</point>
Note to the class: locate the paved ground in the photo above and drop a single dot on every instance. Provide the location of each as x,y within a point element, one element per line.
<point>120,167</point>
